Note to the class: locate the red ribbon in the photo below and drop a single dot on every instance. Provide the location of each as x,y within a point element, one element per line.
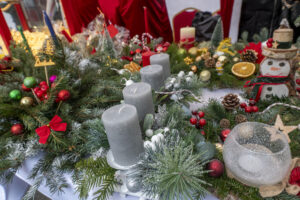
<point>187,43</point>
<point>55,124</point>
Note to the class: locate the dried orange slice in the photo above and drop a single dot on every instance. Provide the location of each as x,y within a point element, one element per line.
<point>243,69</point>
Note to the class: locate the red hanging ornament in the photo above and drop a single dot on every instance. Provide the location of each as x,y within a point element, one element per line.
<point>64,95</point>
<point>39,93</point>
<point>216,167</point>
<point>43,83</point>
<point>44,88</point>
<point>203,133</point>
<point>255,109</point>
<point>202,122</point>
<point>55,124</point>
<point>194,112</point>
<point>248,109</point>
<point>224,134</point>
<point>17,129</point>
<point>243,105</point>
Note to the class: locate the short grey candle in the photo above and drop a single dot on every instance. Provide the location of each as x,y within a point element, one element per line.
<point>162,59</point>
<point>124,133</point>
<point>139,95</point>
<point>154,75</point>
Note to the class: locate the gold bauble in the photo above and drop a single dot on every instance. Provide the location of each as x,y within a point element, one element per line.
<point>181,51</point>
<point>198,59</point>
<point>193,51</point>
<point>205,75</point>
<point>26,101</point>
<point>194,68</point>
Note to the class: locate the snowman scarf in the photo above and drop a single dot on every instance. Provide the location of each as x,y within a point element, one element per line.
<point>260,81</point>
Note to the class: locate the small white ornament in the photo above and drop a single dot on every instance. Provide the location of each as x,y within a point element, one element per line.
<point>174,97</point>
<point>188,79</point>
<point>121,71</point>
<point>129,82</point>
<point>149,132</point>
<point>166,129</point>
<point>180,74</point>
<point>191,73</point>
<point>177,85</point>
<point>172,80</point>
<point>156,139</point>
<point>168,86</point>
<point>161,136</point>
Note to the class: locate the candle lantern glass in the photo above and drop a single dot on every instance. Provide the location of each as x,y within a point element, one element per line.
<point>257,154</point>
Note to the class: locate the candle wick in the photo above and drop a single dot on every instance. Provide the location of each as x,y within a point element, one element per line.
<point>120,110</point>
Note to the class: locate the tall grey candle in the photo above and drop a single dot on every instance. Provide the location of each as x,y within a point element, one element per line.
<point>162,59</point>
<point>139,95</point>
<point>154,75</point>
<point>124,133</point>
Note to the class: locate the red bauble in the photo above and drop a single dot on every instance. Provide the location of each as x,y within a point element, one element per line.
<point>202,122</point>
<point>17,129</point>
<point>254,109</point>
<point>248,109</point>
<point>64,95</point>
<point>224,134</point>
<point>243,105</point>
<point>252,102</point>
<point>24,88</point>
<point>193,121</point>
<point>132,52</point>
<point>194,112</point>
<point>201,114</point>
<point>216,167</point>
<point>36,89</point>
<point>295,176</point>
<point>270,40</point>
<point>39,94</point>
<point>298,81</point>
<point>44,88</point>
<point>43,83</point>
<point>203,133</point>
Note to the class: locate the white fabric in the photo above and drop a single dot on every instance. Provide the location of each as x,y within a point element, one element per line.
<point>235,20</point>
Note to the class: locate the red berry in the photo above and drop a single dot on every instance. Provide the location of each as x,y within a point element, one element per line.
<point>131,52</point>
<point>44,88</point>
<point>270,40</point>
<point>269,45</point>
<point>17,129</point>
<point>254,109</point>
<point>43,83</point>
<point>202,122</point>
<point>24,88</point>
<point>194,112</point>
<point>193,121</point>
<point>224,134</point>
<point>248,109</point>
<point>243,105</point>
<point>298,81</point>
<point>202,132</point>
<point>45,96</point>
<point>201,114</point>
<point>39,93</point>
<point>252,102</point>
<point>36,89</point>
<point>64,95</point>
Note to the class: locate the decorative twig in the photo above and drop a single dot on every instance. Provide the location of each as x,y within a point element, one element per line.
<point>279,104</point>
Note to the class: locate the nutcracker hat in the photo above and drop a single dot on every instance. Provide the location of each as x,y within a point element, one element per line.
<point>281,47</point>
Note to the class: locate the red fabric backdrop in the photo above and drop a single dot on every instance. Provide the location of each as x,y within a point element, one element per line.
<point>130,14</point>
<point>4,31</point>
<point>79,13</point>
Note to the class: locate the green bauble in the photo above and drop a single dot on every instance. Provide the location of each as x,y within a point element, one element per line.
<point>181,51</point>
<point>30,82</point>
<point>15,94</point>
<point>207,149</point>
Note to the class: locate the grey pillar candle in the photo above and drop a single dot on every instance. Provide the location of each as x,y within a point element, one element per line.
<point>154,75</point>
<point>162,59</point>
<point>124,133</point>
<point>139,95</point>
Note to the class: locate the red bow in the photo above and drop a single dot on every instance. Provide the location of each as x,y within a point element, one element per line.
<point>55,124</point>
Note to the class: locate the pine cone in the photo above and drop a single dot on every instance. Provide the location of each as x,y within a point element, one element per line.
<point>224,123</point>
<point>249,56</point>
<point>231,101</point>
<point>210,62</point>
<point>240,118</point>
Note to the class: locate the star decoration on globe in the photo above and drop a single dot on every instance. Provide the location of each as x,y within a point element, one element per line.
<point>275,44</point>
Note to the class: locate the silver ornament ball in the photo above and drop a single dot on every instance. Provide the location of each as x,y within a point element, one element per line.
<point>132,186</point>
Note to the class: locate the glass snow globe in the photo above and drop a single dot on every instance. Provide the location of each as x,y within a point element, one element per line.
<point>257,154</point>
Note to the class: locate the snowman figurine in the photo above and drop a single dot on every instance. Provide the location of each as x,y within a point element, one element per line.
<point>274,79</point>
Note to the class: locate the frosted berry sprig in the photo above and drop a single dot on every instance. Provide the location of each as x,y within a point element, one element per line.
<point>198,120</point>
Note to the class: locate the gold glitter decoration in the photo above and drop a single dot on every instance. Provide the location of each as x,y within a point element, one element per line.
<point>226,47</point>
<point>188,60</point>
<point>133,67</point>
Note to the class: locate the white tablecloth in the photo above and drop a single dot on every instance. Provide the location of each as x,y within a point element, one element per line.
<point>16,189</point>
